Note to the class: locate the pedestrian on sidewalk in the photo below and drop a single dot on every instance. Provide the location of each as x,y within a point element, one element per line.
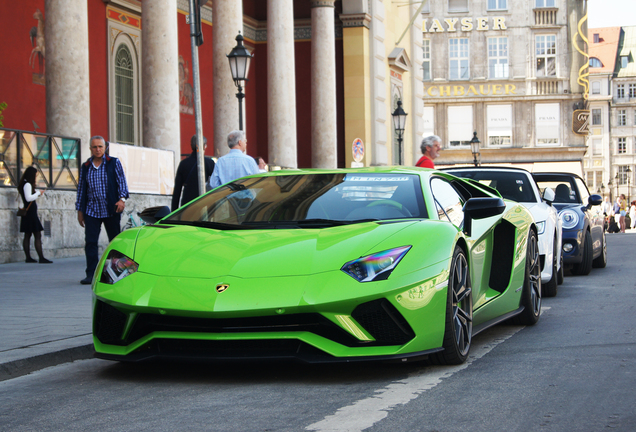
<point>30,223</point>
<point>236,163</point>
<point>430,148</point>
<point>187,177</point>
<point>101,197</point>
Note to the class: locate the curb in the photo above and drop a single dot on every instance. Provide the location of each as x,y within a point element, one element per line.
<point>18,368</point>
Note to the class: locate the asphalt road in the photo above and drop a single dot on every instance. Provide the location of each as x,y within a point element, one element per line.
<point>574,371</point>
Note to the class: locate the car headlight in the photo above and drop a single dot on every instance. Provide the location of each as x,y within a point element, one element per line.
<point>116,267</point>
<point>375,267</point>
<point>569,218</point>
<point>540,227</point>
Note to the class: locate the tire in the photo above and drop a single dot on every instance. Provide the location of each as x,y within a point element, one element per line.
<point>585,266</point>
<point>601,260</point>
<point>531,294</point>
<point>561,273</point>
<point>458,330</point>
<point>549,289</point>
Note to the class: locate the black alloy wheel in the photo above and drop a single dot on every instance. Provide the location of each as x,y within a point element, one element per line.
<point>531,294</point>
<point>459,313</point>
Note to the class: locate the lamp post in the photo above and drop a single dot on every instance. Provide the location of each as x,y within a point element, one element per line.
<point>609,186</point>
<point>399,123</point>
<point>474,148</point>
<point>239,59</point>
<point>629,192</point>
<point>603,190</point>
<point>618,184</point>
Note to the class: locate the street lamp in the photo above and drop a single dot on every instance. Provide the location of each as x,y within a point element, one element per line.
<point>239,59</point>
<point>474,147</point>
<point>618,184</point>
<point>399,123</point>
<point>609,185</point>
<point>629,175</point>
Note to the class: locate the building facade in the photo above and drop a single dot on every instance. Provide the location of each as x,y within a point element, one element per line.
<point>514,72</point>
<point>609,162</point>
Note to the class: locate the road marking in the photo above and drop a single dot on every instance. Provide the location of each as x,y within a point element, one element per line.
<point>365,413</point>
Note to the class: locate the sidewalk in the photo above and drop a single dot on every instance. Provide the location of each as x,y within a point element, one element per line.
<point>45,316</point>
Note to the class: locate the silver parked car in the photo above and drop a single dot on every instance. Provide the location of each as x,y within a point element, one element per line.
<point>517,184</point>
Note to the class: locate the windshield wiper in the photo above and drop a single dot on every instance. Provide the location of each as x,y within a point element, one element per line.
<point>206,224</point>
<point>236,186</point>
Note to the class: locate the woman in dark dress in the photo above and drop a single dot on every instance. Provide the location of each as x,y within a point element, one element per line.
<point>30,223</point>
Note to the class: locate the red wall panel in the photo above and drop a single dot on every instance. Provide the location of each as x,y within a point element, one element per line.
<point>26,100</point>
<point>98,68</point>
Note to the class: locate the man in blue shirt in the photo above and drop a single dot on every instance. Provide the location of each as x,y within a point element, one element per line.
<point>236,163</point>
<point>101,197</point>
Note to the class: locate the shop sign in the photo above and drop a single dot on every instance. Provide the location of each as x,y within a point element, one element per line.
<point>471,90</point>
<point>464,24</point>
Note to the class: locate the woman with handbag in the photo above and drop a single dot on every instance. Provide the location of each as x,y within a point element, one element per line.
<point>30,223</point>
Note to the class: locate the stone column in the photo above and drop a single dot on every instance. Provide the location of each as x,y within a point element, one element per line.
<point>281,88</point>
<point>68,110</point>
<point>228,21</point>
<point>324,140</point>
<point>160,86</point>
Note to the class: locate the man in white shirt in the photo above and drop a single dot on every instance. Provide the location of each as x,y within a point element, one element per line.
<point>236,163</point>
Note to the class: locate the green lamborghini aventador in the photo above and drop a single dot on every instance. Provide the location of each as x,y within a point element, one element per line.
<point>320,266</point>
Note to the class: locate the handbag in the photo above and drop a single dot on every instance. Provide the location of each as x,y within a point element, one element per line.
<point>23,211</point>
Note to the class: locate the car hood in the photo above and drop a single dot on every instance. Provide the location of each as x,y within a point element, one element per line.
<point>185,251</point>
<point>540,211</point>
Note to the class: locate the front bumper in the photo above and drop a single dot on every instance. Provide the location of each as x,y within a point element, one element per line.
<point>574,238</point>
<point>383,325</point>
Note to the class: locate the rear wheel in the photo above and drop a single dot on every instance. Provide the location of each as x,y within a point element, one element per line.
<point>585,266</point>
<point>550,287</point>
<point>531,295</point>
<point>561,273</point>
<point>459,313</point>
<point>601,260</point>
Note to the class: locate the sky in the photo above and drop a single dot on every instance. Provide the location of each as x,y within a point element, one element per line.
<point>611,13</point>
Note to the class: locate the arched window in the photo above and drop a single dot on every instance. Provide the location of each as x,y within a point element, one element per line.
<point>595,63</point>
<point>124,96</point>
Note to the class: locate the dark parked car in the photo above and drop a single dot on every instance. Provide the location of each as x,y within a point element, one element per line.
<point>584,244</point>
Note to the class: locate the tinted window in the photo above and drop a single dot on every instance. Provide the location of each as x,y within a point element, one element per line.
<point>297,198</point>
<point>516,186</point>
<point>448,202</point>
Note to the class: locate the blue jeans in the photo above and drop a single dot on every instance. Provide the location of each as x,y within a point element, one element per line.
<point>93,227</point>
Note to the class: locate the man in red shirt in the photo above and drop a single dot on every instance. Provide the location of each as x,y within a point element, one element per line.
<point>430,147</point>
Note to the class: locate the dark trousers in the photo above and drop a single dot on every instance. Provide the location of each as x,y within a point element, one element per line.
<point>92,228</point>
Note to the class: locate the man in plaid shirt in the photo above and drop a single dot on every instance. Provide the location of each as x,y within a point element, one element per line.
<point>101,197</point>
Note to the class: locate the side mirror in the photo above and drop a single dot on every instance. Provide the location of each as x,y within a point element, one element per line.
<point>594,200</point>
<point>549,195</point>
<point>481,208</point>
<point>152,214</point>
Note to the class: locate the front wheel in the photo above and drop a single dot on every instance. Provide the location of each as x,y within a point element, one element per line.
<point>531,294</point>
<point>585,266</point>
<point>601,260</point>
<point>459,313</point>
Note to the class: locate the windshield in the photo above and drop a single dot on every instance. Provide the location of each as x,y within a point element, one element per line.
<point>564,189</point>
<point>516,186</point>
<point>308,200</point>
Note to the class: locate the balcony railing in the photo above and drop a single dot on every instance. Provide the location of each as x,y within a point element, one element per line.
<point>547,87</point>
<point>56,158</point>
<point>545,16</point>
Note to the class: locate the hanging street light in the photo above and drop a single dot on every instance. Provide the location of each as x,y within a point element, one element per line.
<point>239,59</point>
<point>474,148</point>
<point>399,123</point>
